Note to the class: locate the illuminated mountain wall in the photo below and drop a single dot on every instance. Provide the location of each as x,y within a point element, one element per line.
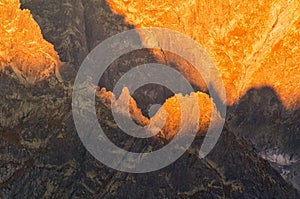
<point>252,43</point>
<point>22,46</point>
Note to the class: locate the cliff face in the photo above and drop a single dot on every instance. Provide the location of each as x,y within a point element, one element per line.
<point>44,158</point>
<point>22,46</point>
<point>253,44</point>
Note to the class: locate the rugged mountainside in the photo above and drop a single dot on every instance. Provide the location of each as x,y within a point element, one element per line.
<point>41,153</point>
<point>42,157</point>
<point>254,45</point>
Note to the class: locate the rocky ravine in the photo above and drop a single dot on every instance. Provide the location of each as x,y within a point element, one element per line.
<point>42,156</point>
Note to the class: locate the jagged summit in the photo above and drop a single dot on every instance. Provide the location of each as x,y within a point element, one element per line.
<point>22,46</point>
<point>168,118</point>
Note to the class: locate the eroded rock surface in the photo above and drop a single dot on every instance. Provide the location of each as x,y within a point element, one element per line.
<point>22,46</point>
<point>42,155</point>
<point>253,44</point>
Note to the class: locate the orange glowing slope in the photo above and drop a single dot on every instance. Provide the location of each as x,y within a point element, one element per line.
<point>22,46</point>
<point>252,43</point>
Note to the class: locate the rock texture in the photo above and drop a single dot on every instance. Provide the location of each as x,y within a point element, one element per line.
<point>42,155</point>
<point>253,44</point>
<point>169,117</point>
<point>22,46</point>
<point>261,117</point>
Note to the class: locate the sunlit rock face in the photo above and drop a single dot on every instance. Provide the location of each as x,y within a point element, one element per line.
<point>27,64</point>
<point>22,46</point>
<point>179,113</point>
<point>252,43</point>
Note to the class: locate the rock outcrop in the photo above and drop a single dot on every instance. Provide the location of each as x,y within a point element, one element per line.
<point>169,117</point>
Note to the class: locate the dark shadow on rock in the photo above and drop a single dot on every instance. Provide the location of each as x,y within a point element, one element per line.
<point>75,27</point>
<point>261,117</point>
<point>260,114</point>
